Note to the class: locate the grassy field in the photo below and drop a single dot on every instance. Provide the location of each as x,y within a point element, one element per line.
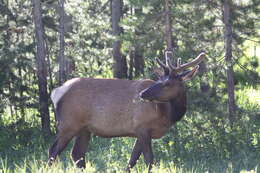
<point>106,159</point>
<point>202,142</point>
<point>108,162</point>
<point>37,166</point>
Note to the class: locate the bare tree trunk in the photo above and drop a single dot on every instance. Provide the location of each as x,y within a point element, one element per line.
<point>138,61</point>
<point>131,64</point>
<point>11,95</point>
<point>62,70</point>
<point>21,89</point>
<point>204,84</point>
<point>229,71</point>
<point>228,58</point>
<point>138,55</point>
<point>120,66</point>
<point>168,30</point>
<point>41,67</point>
<point>48,49</point>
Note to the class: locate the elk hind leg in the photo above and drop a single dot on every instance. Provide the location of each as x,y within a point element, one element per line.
<point>80,148</point>
<point>62,140</point>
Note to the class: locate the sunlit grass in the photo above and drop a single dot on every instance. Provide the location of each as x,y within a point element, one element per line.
<point>38,166</point>
<point>248,97</point>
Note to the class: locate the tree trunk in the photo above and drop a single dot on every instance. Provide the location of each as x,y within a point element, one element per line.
<point>21,89</point>
<point>138,55</point>
<point>204,84</point>
<point>62,71</point>
<point>120,67</point>
<point>41,67</point>
<point>168,31</point>
<point>48,50</point>
<point>131,65</point>
<point>228,58</point>
<point>138,61</point>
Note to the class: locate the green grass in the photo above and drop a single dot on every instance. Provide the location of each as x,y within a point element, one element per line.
<point>35,165</point>
<point>249,98</point>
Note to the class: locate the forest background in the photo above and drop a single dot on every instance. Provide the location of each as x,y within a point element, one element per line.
<point>45,42</point>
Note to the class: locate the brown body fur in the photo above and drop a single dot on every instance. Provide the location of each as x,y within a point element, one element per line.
<point>88,105</point>
<point>110,108</point>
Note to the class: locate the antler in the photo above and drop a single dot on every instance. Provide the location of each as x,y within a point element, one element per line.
<point>169,67</point>
<point>193,63</point>
<point>165,68</point>
<point>178,62</point>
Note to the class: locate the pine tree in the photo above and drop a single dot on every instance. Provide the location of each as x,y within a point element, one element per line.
<point>41,67</point>
<point>120,66</point>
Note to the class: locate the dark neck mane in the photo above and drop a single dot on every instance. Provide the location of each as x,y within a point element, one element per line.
<point>178,107</point>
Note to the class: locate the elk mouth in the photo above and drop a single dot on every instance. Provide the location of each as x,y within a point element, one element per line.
<point>140,99</point>
<point>150,100</point>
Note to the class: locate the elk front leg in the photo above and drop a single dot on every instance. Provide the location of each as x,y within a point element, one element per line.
<point>146,145</point>
<point>137,150</point>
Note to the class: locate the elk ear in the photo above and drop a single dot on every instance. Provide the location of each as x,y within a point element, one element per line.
<point>188,75</point>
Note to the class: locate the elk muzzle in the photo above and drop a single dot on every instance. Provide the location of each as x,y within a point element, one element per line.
<point>152,93</point>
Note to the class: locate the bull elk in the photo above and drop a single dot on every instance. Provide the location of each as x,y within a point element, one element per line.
<point>108,108</point>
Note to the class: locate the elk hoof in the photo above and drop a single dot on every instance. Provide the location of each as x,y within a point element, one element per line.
<point>50,161</point>
<point>128,169</point>
<point>81,163</point>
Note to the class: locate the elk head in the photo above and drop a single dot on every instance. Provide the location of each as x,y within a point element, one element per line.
<point>171,83</point>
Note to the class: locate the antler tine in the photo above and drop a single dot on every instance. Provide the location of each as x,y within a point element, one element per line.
<point>162,64</point>
<point>194,62</point>
<point>178,62</point>
<point>168,61</point>
<point>169,64</point>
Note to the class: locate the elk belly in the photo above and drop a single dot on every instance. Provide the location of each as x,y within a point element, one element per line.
<point>110,122</point>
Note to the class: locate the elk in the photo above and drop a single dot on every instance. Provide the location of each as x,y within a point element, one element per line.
<point>143,109</point>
